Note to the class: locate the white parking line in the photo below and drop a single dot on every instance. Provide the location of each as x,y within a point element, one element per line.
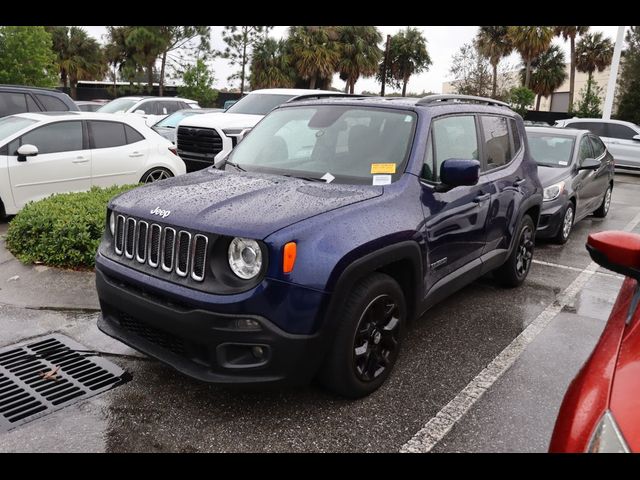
<point>575,269</point>
<point>437,427</point>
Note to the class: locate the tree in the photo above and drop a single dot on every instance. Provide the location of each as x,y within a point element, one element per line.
<point>590,100</point>
<point>26,57</point>
<point>593,53</point>
<point>145,44</point>
<point>407,56</point>
<point>520,98</point>
<point>315,53</point>
<point>548,72</point>
<point>240,41</point>
<point>571,33</point>
<point>494,43</point>
<point>359,53</point>
<point>198,82</point>
<point>530,42</point>
<point>271,65</point>
<point>629,93</point>
<point>79,56</point>
<point>472,72</point>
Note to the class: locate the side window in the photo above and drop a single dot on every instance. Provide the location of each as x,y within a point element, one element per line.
<point>619,131</point>
<point>517,141</point>
<point>132,135</point>
<point>170,107</point>
<point>11,103</point>
<point>150,108</point>
<point>497,147</point>
<point>585,150</point>
<point>107,134</point>
<point>427,166</point>
<point>598,146</point>
<point>52,103</point>
<point>597,128</point>
<point>32,105</point>
<point>56,137</point>
<point>453,137</point>
<point>184,105</point>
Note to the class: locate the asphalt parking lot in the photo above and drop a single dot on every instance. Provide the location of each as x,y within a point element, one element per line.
<point>484,371</point>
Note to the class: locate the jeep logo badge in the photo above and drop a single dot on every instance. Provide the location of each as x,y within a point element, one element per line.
<point>161,213</point>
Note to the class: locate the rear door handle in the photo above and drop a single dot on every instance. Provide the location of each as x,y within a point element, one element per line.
<point>80,160</point>
<point>136,154</point>
<point>482,198</point>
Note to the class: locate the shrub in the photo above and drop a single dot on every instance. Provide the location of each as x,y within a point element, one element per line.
<point>63,230</point>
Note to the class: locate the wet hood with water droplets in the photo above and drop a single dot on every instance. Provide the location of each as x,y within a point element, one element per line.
<point>245,204</point>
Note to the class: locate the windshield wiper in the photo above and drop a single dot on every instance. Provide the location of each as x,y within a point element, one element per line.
<point>235,165</point>
<point>309,179</point>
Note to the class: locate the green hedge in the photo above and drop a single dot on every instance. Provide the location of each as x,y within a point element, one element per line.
<point>63,230</point>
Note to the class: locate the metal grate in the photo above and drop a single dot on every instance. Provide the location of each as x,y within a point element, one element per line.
<point>26,395</point>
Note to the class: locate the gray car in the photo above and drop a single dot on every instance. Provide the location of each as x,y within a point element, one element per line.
<point>167,127</point>
<point>621,138</point>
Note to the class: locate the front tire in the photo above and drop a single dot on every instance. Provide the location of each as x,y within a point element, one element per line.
<point>603,209</point>
<point>514,271</point>
<point>367,340</point>
<point>566,226</point>
<point>156,174</point>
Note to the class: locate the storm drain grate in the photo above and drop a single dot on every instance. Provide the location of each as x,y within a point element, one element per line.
<point>25,392</point>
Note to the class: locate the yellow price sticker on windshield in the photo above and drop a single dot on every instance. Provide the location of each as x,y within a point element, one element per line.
<point>383,168</point>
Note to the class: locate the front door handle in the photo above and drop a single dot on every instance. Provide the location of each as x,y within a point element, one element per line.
<point>80,160</point>
<point>482,197</point>
<point>519,182</point>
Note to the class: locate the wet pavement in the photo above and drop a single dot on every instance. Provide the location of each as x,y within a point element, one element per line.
<point>160,410</point>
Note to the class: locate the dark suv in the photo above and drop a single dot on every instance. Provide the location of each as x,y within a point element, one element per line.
<point>19,99</point>
<point>330,225</point>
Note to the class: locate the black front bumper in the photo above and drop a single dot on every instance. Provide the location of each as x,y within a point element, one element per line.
<point>205,345</point>
<point>551,218</point>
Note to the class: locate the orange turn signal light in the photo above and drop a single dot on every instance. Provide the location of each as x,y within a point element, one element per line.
<point>289,258</point>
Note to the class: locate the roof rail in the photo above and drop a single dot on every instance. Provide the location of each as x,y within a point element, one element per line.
<point>435,99</point>
<point>322,95</point>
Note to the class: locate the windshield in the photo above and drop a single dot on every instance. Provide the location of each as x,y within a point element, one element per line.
<point>258,103</point>
<point>363,145</point>
<point>11,125</point>
<point>551,150</point>
<point>172,120</point>
<point>118,105</point>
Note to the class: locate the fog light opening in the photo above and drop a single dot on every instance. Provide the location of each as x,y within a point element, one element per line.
<point>258,352</point>
<point>246,324</point>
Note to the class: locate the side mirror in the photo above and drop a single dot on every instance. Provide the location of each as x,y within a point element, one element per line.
<point>636,138</point>
<point>140,112</point>
<point>616,251</point>
<point>589,164</point>
<point>242,134</point>
<point>25,151</point>
<point>456,172</point>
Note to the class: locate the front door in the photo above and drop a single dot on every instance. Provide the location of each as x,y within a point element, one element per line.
<point>63,162</point>
<point>587,184</point>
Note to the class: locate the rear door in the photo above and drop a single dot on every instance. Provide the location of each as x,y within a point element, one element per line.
<point>587,183</point>
<point>63,163</point>
<point>118,153</point>
<point>623,147</point>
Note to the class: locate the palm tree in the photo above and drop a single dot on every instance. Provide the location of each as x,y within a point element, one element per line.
<point>407,55</point>
<point>530,42</point>
<point>548,72</point>
<point>79,56</point>
<point>359,53</point>
<point>571,33</point>
<point>494,43</point>
<point>593,53</point>
<point>315,52</point>
<point>270,65</point>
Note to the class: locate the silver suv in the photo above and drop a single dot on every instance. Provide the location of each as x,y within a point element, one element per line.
<point>621,138</point>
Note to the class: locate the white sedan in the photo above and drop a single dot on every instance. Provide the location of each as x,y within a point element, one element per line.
<point>152,109</point>
<point>56,152</point>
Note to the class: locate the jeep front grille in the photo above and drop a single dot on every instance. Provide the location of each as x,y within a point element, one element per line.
<point>173,251</point>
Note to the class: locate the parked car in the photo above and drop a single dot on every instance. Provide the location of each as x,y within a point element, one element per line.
<point>576,171</point>
<point>537,123</point>
<point>228,103</point>
<point>19,99</point>
<point>88,106</point>
<point>600,412</point>
<point>42,154</point>
<point>152,109</point>
<point>207,139</point>
<point>621,138</point>
<point>333,223</point>
<point>167,126</point>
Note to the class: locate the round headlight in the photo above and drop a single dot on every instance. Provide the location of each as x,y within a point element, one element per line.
<point>245,258</point>
<point>112,224</point>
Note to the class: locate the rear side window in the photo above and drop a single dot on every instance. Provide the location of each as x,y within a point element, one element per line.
<point>55,137</point>
<point>32,105</point>
<point>517,141</point>
<point>52,103</point>
<point>597,128</point>
<point>598,146</point>
<point>150,108</point>
<point>169,107</point>
<point>453,137</point>
<point>584,150</point>
<point>620,131</point>
<point>497,146</point>
<point>107,134</point>
<point>11,103</point>
<point>133,135</point>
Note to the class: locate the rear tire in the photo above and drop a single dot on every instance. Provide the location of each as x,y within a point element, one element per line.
<point>603,209</point>
<point>367,341</point>
<point>156,174</point>
<point>515,270</point>
<point>566,226</point>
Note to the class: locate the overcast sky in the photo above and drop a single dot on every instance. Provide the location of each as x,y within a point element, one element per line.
<point>442,43</point>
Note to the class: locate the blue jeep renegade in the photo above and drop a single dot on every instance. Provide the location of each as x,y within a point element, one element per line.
<point>305,252</point>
